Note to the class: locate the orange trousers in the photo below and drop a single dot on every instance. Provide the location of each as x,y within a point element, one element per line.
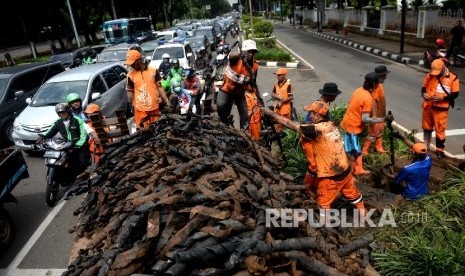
<point>328,190</point>
<point>147,117</point>
<point>433,119</point>
<point>254,129</point>
<point>375,131</point>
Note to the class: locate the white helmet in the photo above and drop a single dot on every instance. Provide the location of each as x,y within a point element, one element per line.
<point>249,45</point>
<point>165,55</point>
<point>220,57</point>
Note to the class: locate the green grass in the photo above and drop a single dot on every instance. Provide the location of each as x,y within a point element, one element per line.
<point>273,54</point>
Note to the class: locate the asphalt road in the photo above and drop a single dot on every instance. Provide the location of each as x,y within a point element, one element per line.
<point>42,243</point>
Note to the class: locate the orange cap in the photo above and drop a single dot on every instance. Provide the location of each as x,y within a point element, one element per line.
<point>92,108</point>
<point>318,107</point>
<point>419,148</point>
<point>132,56</point>
<point>281,71</point>
<point>436,66</point>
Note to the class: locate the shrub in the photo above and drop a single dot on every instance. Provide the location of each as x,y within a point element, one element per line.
<point>263,28</point>
<point>274,54</point>
<point>266,43</point>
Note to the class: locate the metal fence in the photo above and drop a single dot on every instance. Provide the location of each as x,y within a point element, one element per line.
<point>354,17</point>
<point>411,22</point>
<point>446,20</point>
<point>334,16</point>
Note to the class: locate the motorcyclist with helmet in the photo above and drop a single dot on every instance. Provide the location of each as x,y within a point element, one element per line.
<point>440,51</point>
<point>182,95</point>
<point>75,105</point>
<point>73,129</point>
<point>201,61</point>
<point>194,87</point>
<point>166,65</point>
<point>176,70</point>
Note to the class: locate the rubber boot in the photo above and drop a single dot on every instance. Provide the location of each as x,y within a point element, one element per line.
<point>379,145</point>
<point>359,170</point>
<point>366,147</point>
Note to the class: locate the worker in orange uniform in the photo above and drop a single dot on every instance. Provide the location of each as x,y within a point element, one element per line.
<point>144,89</point>
<point>240,75</point>
<point>254,114</point>
<point>328,95</point>
<point>357,115</point>
<point>440,88</point>
<point>333,170</point>
<point>95,146</point>
<point>376,130</point>
<point>282,94</point>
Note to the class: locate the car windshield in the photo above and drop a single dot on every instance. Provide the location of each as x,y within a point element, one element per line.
<point>187,28</point>
<point>164,36</point>
<point>196,41</point>
<point>207,33</point>
<point>116,55</point>
<point>3,84</point>
<point>65,58</point>
<point>149,46</point>
<point>177,52</point>
<point>56,92</point>
<point>181,33</point>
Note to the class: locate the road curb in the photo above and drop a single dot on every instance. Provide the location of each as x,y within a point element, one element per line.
<point>386,54</point>
<point>278,64</point>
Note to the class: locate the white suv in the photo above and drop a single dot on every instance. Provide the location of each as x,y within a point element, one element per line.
<point>183,52</point>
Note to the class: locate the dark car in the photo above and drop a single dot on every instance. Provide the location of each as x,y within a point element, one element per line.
<point>211,34</point>
<point>197,42</point>
<point>16,84</point>
<point>74,58</point>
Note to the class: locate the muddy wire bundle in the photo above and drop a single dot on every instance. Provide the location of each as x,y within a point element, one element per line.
<point>189,198</point>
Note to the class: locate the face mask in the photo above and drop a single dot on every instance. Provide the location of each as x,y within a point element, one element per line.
<point>177,89</point>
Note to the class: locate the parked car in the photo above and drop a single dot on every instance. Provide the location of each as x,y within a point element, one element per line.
<point>103,83</point>
<point>197,42</point>
<point>73,58</point>
<point>183,52</point>
<point>181,38</point>
<point>16,84</point>
<point>190,29</point>
<point>210,33</point>
<point>117,52</point>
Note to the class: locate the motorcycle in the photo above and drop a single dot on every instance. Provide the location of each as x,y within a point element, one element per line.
<point>459,56</point>
<point>432,54</point>
<point>59,171</point>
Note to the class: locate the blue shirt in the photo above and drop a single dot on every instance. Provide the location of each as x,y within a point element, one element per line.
<point>416,177</point>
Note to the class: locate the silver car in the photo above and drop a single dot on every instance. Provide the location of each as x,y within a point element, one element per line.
<point>103,83</point>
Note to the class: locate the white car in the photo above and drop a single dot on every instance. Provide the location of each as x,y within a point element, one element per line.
<point>103,83</point>
<point>183,52</point>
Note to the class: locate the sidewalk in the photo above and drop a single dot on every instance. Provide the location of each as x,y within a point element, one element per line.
<point>412,56</point>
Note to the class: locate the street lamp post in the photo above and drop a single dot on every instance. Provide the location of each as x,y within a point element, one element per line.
<point>74,24</point>
<point>192,14</point>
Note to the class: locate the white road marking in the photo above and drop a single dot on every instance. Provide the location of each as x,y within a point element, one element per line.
<point>449,132</point>
<point>295,54</point>
<point>12,269</point>
<point>36,272</point>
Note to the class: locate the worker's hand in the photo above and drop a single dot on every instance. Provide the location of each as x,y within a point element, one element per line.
<point>96,140</point>
<point>425,97</point>
<point>278,105</point>
<point>437,98</point>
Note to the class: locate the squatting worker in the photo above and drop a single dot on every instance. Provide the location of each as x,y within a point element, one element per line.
<point>333,170</point>
<point>440,88</point>
<point>416,175</point>
<point>282,94</point>
<point>240,75</point>
<point>375,131</point>
<point>328,95</point>
<point>144,89</point>
<point>357,115</point>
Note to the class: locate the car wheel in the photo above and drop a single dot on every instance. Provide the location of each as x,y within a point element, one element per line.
<point>8,133</point>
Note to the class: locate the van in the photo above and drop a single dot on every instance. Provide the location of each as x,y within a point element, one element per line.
<point>16,84</point>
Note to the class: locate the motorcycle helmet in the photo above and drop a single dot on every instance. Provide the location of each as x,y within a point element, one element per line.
<point>175,61</point>
<point>92,108</point>
<point>176,86</point>
<point>165,56</point>
<point>73,97</point>
<point>440,42</point>
<point>189,72</point>
<point>61,107</point>
<point>220,58</point>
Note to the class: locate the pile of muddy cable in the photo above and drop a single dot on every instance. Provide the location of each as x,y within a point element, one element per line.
<point>189,198</point>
